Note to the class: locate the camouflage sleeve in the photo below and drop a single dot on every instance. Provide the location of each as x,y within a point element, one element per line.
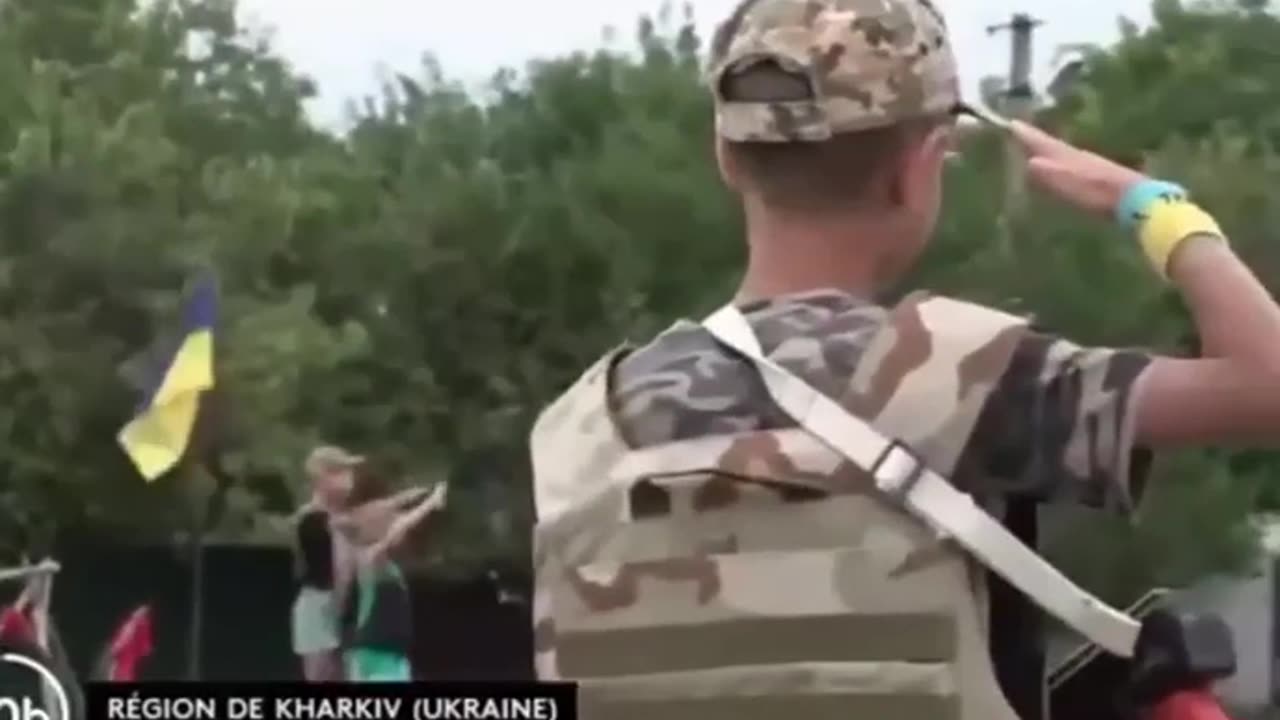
<point>1060,426</point>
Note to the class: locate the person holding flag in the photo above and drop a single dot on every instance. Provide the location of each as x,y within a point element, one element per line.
<point>158,436</point>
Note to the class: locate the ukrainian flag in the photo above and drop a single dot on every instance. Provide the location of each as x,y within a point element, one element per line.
<point>159,434</point>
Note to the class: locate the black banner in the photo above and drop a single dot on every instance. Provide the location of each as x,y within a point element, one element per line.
<point>301,701</point>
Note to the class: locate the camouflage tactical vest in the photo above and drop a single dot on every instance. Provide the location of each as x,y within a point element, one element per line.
<point>760,575</point>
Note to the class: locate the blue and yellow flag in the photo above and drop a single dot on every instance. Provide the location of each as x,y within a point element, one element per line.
<point>160,432</point>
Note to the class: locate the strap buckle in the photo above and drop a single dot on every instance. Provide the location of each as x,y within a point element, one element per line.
<point>897,471</point>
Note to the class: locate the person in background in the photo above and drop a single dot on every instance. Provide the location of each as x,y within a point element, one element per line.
<point>378,618</point>
<point>331,474</point>
<point>325,569</point>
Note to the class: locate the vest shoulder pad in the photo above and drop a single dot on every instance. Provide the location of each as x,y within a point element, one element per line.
<point>574,440</point>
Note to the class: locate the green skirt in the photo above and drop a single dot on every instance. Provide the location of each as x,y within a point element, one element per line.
<point>370,666</point>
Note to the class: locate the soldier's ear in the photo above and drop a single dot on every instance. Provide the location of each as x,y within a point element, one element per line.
<point>919,175</point>
<point>729,171</point>
<point>939,144</point>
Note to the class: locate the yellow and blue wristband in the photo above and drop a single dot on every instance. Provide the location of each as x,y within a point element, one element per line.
<point>1136,203</point>
<point>1164,217</point>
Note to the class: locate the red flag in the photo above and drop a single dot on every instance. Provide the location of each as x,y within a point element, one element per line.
<point>16,628</point>
<point>130,646</point>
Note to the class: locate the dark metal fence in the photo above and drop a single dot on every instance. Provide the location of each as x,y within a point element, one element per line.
<point>463,629</point>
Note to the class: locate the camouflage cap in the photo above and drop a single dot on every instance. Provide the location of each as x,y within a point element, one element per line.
<point>869,64</point>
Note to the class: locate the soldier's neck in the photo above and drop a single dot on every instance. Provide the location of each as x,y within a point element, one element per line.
<point>788,260</point>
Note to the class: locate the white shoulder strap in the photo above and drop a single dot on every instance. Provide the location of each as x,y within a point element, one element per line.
<point>928,496</point>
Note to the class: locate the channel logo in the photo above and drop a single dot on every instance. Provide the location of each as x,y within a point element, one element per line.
<point>24,708</point>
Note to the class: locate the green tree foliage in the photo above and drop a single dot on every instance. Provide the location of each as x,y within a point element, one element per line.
<point>521,236</point>
<point>142,145</point>
<point>1192,98</point>
<point>422,285</point>
<point>1201,67</point>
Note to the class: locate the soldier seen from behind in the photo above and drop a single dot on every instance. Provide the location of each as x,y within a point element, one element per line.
<point>701,553</point>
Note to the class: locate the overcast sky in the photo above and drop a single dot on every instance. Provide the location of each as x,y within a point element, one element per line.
<point>343,43</point>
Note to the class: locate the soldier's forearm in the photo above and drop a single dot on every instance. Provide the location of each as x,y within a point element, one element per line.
<point>1234,314</point>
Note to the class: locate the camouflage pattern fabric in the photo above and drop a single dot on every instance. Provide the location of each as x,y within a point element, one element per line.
<point>696,556</point>
<point>869,63</point>
<point>1058,425</point>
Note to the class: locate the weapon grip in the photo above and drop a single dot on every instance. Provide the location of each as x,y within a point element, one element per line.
<point>1179,653</point>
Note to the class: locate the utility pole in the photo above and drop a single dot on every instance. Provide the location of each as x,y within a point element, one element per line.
<point>1019,100</point>
<point>1025,680</point>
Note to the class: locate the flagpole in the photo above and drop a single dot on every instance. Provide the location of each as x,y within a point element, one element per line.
<point>196,627</point>
<point>200,455</point>
<point>176,440</point>
<point>214,510</point>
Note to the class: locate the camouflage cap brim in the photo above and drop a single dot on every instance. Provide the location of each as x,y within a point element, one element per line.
<point>984,115</point>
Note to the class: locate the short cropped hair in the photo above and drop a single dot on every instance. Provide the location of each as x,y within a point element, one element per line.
<point>840,172</point>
